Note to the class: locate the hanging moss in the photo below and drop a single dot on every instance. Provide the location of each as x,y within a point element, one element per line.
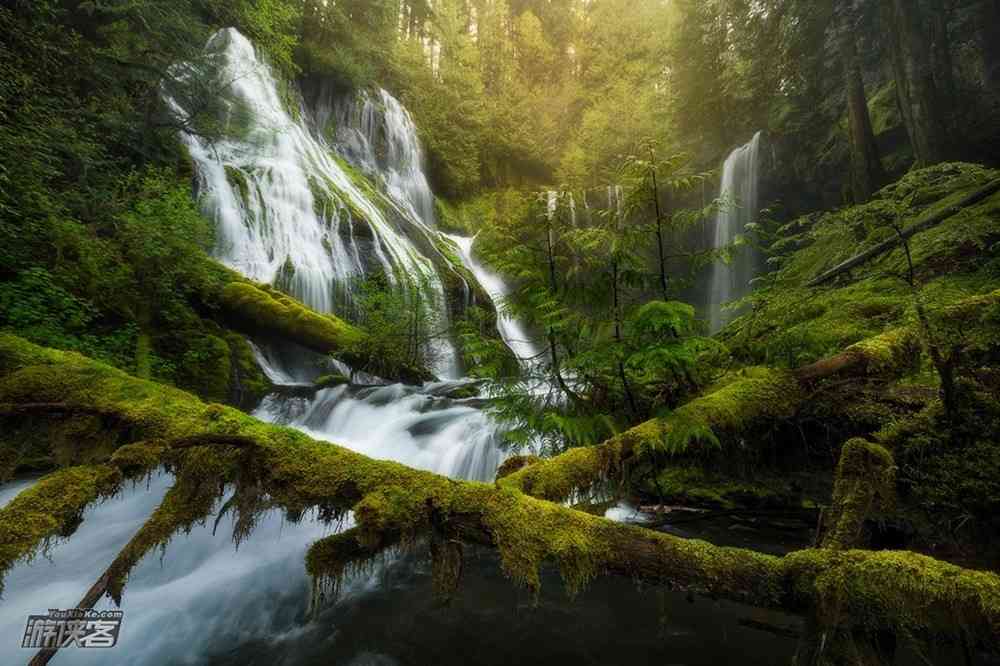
<point>50,508</point>
<point>899,591</point>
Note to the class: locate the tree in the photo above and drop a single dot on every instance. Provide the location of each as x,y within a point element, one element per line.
<point>913,70</point>
<point>867,174</point>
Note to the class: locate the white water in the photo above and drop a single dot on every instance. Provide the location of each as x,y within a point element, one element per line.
<point>301,222</point>
<point>511,330</point>
<point>739,190</point>
<point>420,427</point>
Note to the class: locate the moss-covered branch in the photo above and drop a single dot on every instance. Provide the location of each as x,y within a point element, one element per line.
<point>257,309</point>
<point>901,591</point>
<point>755,397</point>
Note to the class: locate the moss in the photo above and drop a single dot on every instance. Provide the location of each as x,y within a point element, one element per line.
<point>794,325</point>
<point>865,483</point>
<point>205,369</point>
<point>693,486</point>
<point>724,416</point>
<point>897,590</point>
<point>558,479</point>
<point>52,507</point>
<point>329,381</point>
<point>138,458</point>
<point>238,181</point>
<point>250,384</point>
<point>903,592</point>
<point>274,312</point>
<point>514,464</point>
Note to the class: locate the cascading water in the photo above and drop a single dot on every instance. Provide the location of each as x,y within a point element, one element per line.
<point>739,191</point>
<point>289,213</point>
<point>511,330</point>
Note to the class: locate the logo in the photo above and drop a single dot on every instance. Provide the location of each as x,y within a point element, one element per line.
<point>76,627</point>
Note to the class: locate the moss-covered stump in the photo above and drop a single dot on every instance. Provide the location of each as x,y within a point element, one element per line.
<point>279,467</point>
<point>258,309</point>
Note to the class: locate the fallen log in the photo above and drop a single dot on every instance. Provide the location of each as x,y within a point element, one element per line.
<point>895,590</point>
<point>255,309</point>
<point>922,225</point>
<point>758,396</point>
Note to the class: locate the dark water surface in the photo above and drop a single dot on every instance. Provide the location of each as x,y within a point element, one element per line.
<point>202,601</point>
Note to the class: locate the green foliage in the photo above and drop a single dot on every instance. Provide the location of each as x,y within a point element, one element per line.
<point>793,325</point>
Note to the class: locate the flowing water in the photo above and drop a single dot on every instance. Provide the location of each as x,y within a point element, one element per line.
<point>290,211</point>
<point>739,192</point>
<point>511,329</point>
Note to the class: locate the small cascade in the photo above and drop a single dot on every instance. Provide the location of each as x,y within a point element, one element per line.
<point>419,427</point>
<point>375,132</point>
<point>511,330</point>
<point>739,191</point>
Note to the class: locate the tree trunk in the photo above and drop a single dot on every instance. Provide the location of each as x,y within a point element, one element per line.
<point>944,66</point>
<point>867,174</point>
<point>913,71</point>
<point>659,235</point>
<point>990,41</point>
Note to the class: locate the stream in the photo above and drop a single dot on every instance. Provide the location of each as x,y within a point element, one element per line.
<point>290,212</point>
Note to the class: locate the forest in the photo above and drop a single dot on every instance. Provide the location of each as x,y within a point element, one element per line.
<point>501,331</point>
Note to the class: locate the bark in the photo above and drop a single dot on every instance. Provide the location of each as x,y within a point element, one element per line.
<point>882,590</point>
<point>990,41</point>
<point>913,71</point>
<point>659,236</point>
<point>930,221</point>
<point>944,66</point>
<point>867,174</point>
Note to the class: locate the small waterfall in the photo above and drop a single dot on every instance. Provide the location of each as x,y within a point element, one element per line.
<point>511,330</point>
<point>739,190</point>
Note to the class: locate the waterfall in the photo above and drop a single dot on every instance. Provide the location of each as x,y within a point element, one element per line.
<point>739,191</point>
<point>311,200</point>
<point>289,212</point>
<point>511,330</point>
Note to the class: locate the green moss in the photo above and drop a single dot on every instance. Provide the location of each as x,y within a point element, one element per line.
<point>694,486</point>
<point>50,508</point>
<point>899,591</point>
<point>795,325</point>
<point>205,369</point>
<point>272,311</point>
<point>723,416</point>
<point>865,484</point>
<point>251,384</point>
<point>330,381</point>
<point>881,589</point>
<point>557,479</point>
<point>238,181</point>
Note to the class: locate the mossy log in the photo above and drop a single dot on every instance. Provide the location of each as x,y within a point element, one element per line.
<point>902,592</point>
<point>928,222</point>
<point>757,396</point>
<point>256,309</point>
